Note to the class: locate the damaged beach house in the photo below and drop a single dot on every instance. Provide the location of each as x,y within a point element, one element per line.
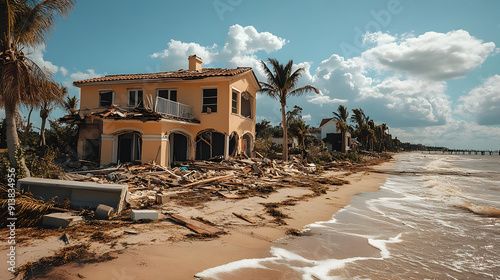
<point>167,117</point>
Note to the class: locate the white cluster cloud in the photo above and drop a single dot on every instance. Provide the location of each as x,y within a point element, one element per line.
<point>36,54</point>
<point>431,56</point>
<point>483,102</point>
<point>240,48</point>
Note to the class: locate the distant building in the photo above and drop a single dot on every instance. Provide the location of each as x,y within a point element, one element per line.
<point>327,132</point>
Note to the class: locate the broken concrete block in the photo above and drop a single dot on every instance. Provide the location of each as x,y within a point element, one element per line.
<point>162,198</point>
<point>143,215</point>
<point>61,220</point>
<point>103,212</point>
<point>81,194</point>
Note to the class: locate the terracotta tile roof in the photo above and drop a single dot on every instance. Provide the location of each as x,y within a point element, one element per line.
<point>324,121</point>
<point>181,74</point>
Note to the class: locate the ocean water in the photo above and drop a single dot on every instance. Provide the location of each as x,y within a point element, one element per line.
<point>436,217</point>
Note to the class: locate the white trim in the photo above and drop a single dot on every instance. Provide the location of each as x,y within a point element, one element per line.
<point>107,137</point>
<point>233,88</point>
<point>152,137</point>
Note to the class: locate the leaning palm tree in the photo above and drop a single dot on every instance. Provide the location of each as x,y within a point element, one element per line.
<point>340,118</point>
<point>46,108</point>
<point>24,23</point>
<point>282,83</point>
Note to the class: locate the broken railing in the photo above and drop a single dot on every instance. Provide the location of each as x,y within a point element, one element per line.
<point>172,108</point>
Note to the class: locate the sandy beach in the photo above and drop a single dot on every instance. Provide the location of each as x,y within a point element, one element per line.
<point>161,250</point>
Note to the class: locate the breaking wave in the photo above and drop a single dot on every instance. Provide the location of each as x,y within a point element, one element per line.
<point>483,210</point>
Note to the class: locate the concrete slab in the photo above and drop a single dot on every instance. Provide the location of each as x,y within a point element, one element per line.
<point>143,214</point>
<point>81,194</point>
<point>60,220</point>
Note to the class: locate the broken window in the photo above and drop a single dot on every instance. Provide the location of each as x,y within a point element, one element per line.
<point>209,144</point>
<point>170,94</point>
<point>246,104</point>
<point>209,100</point>
<point>106,98</point>
<point>234,103</point>
<point>135,98</point>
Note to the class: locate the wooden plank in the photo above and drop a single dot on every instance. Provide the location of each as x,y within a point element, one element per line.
<point>193,225</point>
<point>243,217</point>
<point>209,180</point>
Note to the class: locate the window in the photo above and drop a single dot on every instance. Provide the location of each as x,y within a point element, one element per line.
<point>135,98</point>
<point>246,105</point>
<point>105,98</point>
<point>170,94</point>
<point>234,103</point>
<point>209,100</point>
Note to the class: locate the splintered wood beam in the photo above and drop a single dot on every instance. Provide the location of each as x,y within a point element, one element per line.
<point>243,217</point>
<point>193,225</point>
<point>219,178</point>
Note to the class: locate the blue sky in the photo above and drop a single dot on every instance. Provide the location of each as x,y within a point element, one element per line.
<point>428,69</point>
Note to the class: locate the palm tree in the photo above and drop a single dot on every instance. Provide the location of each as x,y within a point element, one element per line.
<point>282,83</point>
<point>47,106</point>
<point>70,105</point>
<point>340,118</point>
<point>358,117</point>
<point>24,23</point>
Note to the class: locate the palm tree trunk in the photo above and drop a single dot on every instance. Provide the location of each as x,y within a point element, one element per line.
<point>13,139</point>
<point>343,142</point>
<point>28,123</point>
<point>285,130</point>
<point>42,132</point>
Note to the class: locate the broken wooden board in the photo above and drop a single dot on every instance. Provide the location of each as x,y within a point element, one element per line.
<point>243,217</point>
<point>193,225</point>
<point>218,178</point>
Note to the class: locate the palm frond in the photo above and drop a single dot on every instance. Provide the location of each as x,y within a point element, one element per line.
<point>38,19</point>
<point>302,90</point>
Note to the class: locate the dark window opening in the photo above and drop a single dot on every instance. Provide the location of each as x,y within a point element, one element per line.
<point>170,94</point>
<point>209,100</point>
<point>246,105</point>
<point>105,98</point>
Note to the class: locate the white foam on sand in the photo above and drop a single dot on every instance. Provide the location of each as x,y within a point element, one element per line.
<point>310,269</point>
<point>382,244</point>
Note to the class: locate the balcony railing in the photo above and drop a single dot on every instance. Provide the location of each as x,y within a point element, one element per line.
<point>172,108</point>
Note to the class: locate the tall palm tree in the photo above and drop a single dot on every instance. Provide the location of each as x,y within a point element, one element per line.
<point>340,118</point>
<point>282,83</point>
<point>24,23</point>
<point>46,108</point>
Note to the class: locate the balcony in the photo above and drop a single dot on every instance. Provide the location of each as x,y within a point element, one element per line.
<point>172,108</point>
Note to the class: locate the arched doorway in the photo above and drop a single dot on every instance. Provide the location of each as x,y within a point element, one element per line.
<point>179,147</point>
<point>247,144</point>
<point>129,147</point>
<point>209,144</point>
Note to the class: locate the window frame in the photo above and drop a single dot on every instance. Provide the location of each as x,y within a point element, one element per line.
<point>207,105</point>
<point>250,105</point>
<point>136,97</point>
<point>234,110</point>
<point>169,93</point>
<point>101,91</point>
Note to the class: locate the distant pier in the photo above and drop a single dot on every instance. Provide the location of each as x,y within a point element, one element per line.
<point>466,152</point>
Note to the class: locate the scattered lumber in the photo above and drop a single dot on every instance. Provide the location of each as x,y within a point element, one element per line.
<point>194,225</point>
<point>219,178</point>
<point>243,217</point>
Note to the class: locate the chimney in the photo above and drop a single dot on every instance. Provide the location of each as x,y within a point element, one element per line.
<point>195,63</point>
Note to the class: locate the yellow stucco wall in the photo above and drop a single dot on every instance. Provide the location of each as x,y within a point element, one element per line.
<point>189,92</point>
